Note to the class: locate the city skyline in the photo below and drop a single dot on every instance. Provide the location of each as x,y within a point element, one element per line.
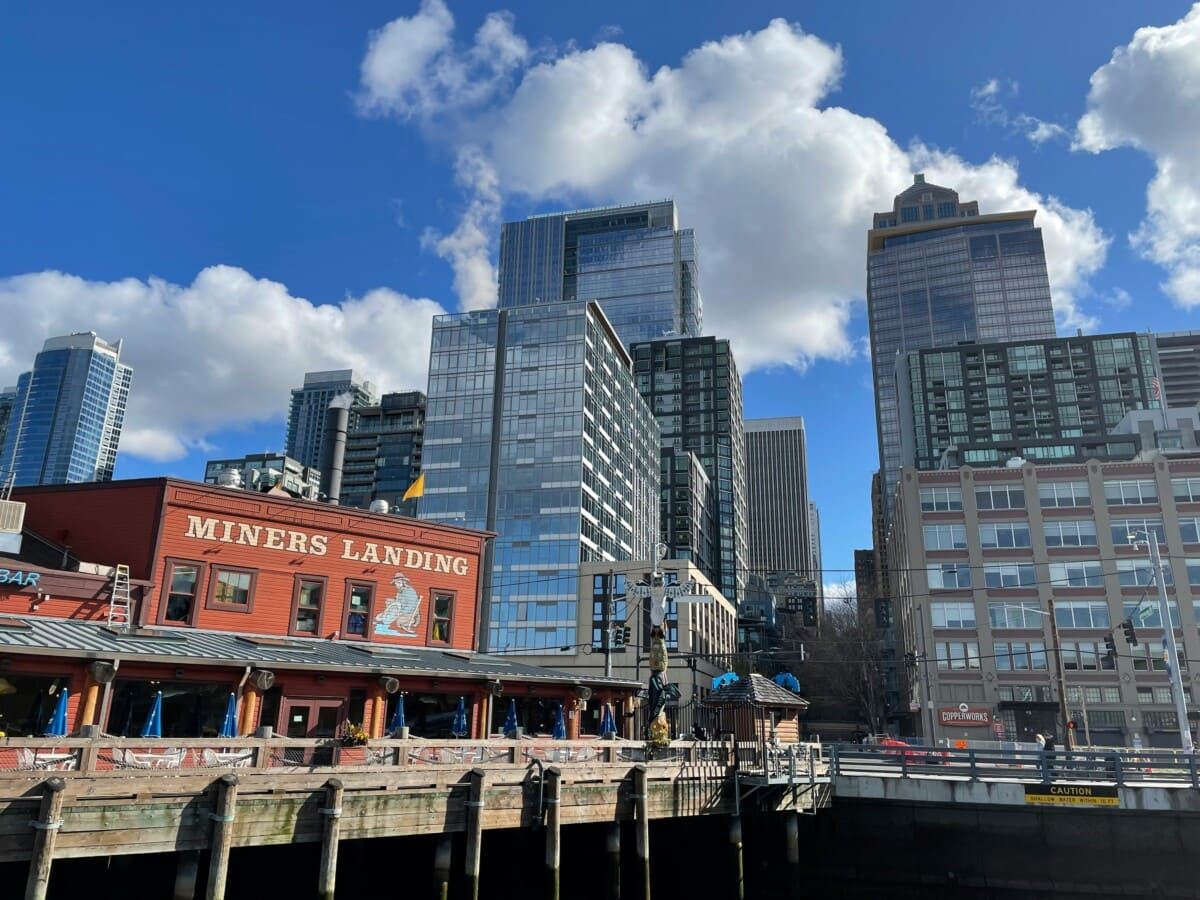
<point>369,194</point>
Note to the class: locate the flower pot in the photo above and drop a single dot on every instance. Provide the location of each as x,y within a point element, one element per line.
<point>401,733</point>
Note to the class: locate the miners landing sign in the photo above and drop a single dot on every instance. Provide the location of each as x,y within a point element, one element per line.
<point>964,716</point>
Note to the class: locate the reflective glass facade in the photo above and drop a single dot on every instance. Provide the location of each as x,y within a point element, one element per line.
<point>383,453</point>
<point>939,273</point>
<point>780,539</point>
<point>634,261</point>
<point>309,404</point>
<point>534,430</point>
<point>68,413</point>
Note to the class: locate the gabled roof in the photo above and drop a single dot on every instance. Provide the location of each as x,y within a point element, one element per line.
<point>756,689</point>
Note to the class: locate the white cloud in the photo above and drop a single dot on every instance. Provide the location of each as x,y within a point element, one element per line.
<point>990,101</point>
<point>779,185</point>
<point>1148,96</point>
<point>224,351</point>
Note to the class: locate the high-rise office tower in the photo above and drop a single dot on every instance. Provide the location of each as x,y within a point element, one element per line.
<point>693,387</point>
<point>534,430</point>
<point>383,453</point>
<point>779,538</point>
<point>814,545</point>
<point>1179,366</point>
<point>67,414</point>
<point>634,261</point>
<point>8,397</point>
<point>309,406</point>
<point>938,272</point>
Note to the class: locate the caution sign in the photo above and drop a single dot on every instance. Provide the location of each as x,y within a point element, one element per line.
<point>1073,794</point>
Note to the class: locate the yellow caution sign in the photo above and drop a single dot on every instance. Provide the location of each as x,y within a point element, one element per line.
<point>1073,794</point>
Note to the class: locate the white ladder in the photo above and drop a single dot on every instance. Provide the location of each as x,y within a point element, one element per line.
<point>119,614</point>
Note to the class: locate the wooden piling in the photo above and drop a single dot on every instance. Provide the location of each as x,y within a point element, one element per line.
<point>792,825</point>
<point>187,870</point>
<point>46,827</point>
<point>474,806</point>
<point>612,851</point>
<point>735,846</point>
<point>222,836</point>
<point>641,814</point>
<point>331,813</point>
<point>441,868</point>
<point>550,798</point>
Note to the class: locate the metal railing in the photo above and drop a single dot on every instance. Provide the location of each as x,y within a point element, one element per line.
<point>1112,766</point>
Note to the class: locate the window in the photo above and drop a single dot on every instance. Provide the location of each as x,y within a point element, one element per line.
<point>1189,530</point>
<point>232,589</point>
<point>1186,490</point>
<point>182,580</point>
<point>1193,571</point>
<point>1020,656</point>
<point>1086,656</point>
<point>1148,656</point>
<point>945,537</point>
<point>948,576</point>
<point>1102,694</point>
<point>1071,533</point>
<point>306,605</point>
<point>1004,534</point>
<point>1160,719</point>
<point>1158,694</point>
<point>1130,493</point>
<point>1000,496</point>
<point>941,499</point>
<point>953,615</point>
<point>1081,613</point>
<point>957,654</point>
<point>1058,494</point>
<point>1026,614</point>
<point>1077,574</point>
<point>1024,693</point>
<point>359,596</point>
<point>1013,575</point>
<point>1146,614</point>
<point>441,617</point>
<point>1138,573</point>
<point>1121,529</point>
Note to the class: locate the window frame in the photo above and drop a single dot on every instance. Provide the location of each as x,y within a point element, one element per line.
<point>1009,527</point>
<point>1052,488</point>
<point>935,491</point>
<point>1005,488</point>
<point>169,565</point>
<point>957,568</point>
<point>990,569</point>
<point>1093,574</point>
<point>953,528</point>
<point>297,581</point>
<point>1055,532</point>
<point>941,606</point>
<point>1130,492</point>
<point>210,595</point>
<point>434,593</point>
<point>351,584</point>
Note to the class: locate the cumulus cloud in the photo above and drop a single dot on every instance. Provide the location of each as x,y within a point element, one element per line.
<point>991,100</point>
<point>224,351</point>
<point>1127,106</point>
<point>778,184</point>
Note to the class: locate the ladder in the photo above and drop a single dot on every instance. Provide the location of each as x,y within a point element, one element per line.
<point>119,614</point>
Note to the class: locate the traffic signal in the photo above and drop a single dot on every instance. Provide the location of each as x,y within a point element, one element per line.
<point>626,635</point>
<point>1130,634</point>
<point>1110,649</point>
<point>618,637</point>
<point>810,612</point>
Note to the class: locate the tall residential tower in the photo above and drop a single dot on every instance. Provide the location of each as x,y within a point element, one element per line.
<point>309,406</point>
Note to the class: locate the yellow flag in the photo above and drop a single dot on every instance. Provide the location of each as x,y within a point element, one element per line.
<point>417,488</point>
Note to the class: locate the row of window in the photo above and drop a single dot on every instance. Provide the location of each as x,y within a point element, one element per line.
<point>1031,656</point>
<point>956,576</point>
<point>1067,533</point>
<point>1059,494</point>
<point>232,589</point>
<point>1067,614</point>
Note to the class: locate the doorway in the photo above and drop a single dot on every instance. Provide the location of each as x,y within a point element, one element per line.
<point>312,719</point>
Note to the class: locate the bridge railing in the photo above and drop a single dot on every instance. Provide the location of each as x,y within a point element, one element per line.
<point>1117,766</point>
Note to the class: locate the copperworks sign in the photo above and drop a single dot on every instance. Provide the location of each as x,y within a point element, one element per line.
<point>964,716</point>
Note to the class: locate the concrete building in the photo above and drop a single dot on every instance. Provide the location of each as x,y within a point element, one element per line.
<point>938,273</point>
<point>778,516</point>
<point>1179,366</point>
<point>263,471</point>
<point>980,559</point>
<point>67,413</point>
<point>534,430</point>
<point>309,405</point>
<point>383,453</point>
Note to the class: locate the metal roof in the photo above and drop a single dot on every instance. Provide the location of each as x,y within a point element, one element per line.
<point>94,640</point>
<point>755,689</point>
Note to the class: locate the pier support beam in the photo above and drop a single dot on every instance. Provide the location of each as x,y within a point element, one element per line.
<point>46,827</point>
<point>640,808</point>
<point>330,832</point>
<point>612,852</point>
<point>735,847</point>
<point>187,869</point>
<point>791,823</point>
<point>222,836</point>
<point>441,867</point>
<point>553,838</point>
<point>474,832</point>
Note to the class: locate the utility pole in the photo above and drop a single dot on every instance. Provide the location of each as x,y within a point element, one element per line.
<point>928,698</point>
<point>606,639</point>
<point>1185,730</point>
<point>1068,735</point>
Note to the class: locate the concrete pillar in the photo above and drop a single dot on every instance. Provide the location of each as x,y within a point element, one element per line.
<point>612,853</point>
<point>735,847</point>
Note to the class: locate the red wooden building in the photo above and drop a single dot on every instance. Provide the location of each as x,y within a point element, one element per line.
<point>313,615</point>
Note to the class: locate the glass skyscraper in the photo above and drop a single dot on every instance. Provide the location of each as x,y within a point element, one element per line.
<point>383,453</point>
<point>634,261</point>
<point>938,273</point>
<point>309,405</point>
<point>534,430</point>
<point>777,479</point>
<point>67,413</point>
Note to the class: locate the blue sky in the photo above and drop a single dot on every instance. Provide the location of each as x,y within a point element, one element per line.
<point>243,192</point>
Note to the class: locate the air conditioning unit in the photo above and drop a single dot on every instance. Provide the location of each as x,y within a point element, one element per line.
<point>12,516</point>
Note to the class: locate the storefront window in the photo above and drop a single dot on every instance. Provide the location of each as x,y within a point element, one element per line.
<point>189,708</point>
<point>26,703</point>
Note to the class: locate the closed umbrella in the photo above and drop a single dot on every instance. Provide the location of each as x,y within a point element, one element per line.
<point>153,726</point>
<point>229,724</point>
<point>510,721</point>
<point>398,720</point>
<point>608,725</point>
<point>57,726</point>
<point>459,728</point>
<point>560,727</point>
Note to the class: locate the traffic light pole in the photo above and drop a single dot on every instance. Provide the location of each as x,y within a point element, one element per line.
<point>607,637</point>
<point>1185,730</point>
<point>1068,735</point>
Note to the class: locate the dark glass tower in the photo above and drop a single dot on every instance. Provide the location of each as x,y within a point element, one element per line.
<point>309,405</point>
<point>383,452</point>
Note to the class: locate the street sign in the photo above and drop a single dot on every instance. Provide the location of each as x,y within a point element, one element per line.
<point>1146,613</point>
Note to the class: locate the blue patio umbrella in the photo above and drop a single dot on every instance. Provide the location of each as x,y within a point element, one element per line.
<point>510,721</point>
<point>560,727</point>
<point>57,726</point>
<point>153,726</point>
<point>788,681</point>
<point>398,720</point>
<point>721,680</point>
<point>459,728</point>
<point>608,725</point>
<point>229,724</point>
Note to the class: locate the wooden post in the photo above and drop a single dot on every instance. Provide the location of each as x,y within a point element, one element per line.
<point>441,868</point>
<point>474,806</point>
<point>640,808</point>
<point>248,714</point>
<point>612,849</point>
<point>187,868</point>
<point>735,845</point>
<point>222,836</point>
<point>46,827</point>
<point>87,707</point>
<point>792,825</point>
<point>332,814</point>
<point>553,844</point>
